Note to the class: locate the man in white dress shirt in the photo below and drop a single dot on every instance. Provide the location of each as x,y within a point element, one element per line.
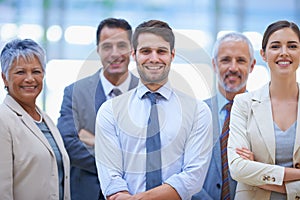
<point>185,128</point>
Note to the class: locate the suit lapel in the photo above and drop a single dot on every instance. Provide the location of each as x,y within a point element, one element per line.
<point>213,105</point>
<point>262,112</point>
<point>55,133</point>
<point>296,155</point>
<point>27,120</point>
<point>98,91</point>
<point>133,82</point>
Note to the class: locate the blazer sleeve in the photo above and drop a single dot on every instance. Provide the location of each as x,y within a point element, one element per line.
<point>6,160</point>
<point>78,153</point>
<point>246,171</point>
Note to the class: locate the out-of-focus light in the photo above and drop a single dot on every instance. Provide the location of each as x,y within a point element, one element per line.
<point>54,33</point>
<point>221,33</point>
<point>8,31</point>
<point>255,39</point>
<point>32,31</point>
<point>200,38</point>
<point>83,35</point>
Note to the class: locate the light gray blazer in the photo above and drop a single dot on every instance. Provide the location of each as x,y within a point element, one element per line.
<point>28,168</point>
<point>251,126</point>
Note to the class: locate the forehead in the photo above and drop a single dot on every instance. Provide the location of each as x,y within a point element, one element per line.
<point>150,40</point>
<point>113,34</point>
<point>285,34</point>
<point>22,62</point>
<point>234,48</point>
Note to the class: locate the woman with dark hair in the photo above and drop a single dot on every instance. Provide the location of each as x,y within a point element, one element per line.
<point>264,139</point>
<point>33,161</point>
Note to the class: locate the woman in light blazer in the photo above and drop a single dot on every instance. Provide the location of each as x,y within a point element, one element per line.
<point>33,162</point>
<point>264,139</point>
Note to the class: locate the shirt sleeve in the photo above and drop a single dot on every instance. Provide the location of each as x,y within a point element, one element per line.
<point>197,154</point>
<point>108,152</point>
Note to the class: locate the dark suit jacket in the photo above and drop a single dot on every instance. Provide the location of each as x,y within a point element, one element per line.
<point>213,183</point>
<point>81,102</point>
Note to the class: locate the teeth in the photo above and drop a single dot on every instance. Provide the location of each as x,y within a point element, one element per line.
<point>153,68</point>
<point>283,63</point>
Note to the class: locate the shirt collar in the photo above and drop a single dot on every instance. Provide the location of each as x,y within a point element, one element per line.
<point>108,86</point>
<point>166,90</point>
<point>221,100</point>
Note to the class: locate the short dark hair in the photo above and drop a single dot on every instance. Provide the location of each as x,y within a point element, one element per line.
<point>277,26</point>
<point>156,27</point>
<point>114,23</point>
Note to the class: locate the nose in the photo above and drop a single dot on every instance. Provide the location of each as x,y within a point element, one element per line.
<point>234,66</point>
<point>29,77</point>
<point>284,51</point>
<point>115,51</point>
<point>154,57</point>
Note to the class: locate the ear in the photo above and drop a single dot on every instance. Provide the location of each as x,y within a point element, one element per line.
<point>214,65</point>
<point>173,54</point>
<point>133,52</point>
<point>263,55</point>
<point>4,79</point>
<point>252,65</point>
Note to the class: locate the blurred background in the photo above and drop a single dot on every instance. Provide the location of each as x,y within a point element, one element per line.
<point>67,30</point>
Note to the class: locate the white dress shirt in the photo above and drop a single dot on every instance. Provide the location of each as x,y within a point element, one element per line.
<point>186,139</point>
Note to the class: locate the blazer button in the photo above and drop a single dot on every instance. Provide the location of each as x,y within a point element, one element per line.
<point>297,165</point>
<point>273,179</point>
<point>297,198</point>
<point>264,178</point>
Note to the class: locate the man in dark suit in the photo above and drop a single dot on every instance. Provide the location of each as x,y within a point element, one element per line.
<point>83,98</point>
<point>233,60</point>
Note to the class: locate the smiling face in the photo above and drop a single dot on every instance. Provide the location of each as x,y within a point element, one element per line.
<point>282,53</point>
<point>114,50</point>
<point>153,57</point>
<point>233,65</point>
<point>24,80</point>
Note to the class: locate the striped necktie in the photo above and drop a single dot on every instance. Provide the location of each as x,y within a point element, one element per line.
<point>153,146</point>
<point>223,140</point>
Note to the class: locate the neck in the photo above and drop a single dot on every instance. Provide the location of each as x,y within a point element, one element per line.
<point>154,86</point>
<point>34,113</point>
<point>230,95</point>
<point>284,89</point>
<point>116,79</point>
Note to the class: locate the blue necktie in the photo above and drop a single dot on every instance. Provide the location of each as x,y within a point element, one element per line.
<point>153,146</point>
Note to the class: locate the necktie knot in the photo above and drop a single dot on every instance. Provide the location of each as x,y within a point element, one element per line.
<point>153,97</point>
<point>228,106</point>
<point>115,92</point>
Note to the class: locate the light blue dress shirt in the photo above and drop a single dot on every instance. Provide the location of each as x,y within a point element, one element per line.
<point>222,101</point>
<point>186,139</point>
